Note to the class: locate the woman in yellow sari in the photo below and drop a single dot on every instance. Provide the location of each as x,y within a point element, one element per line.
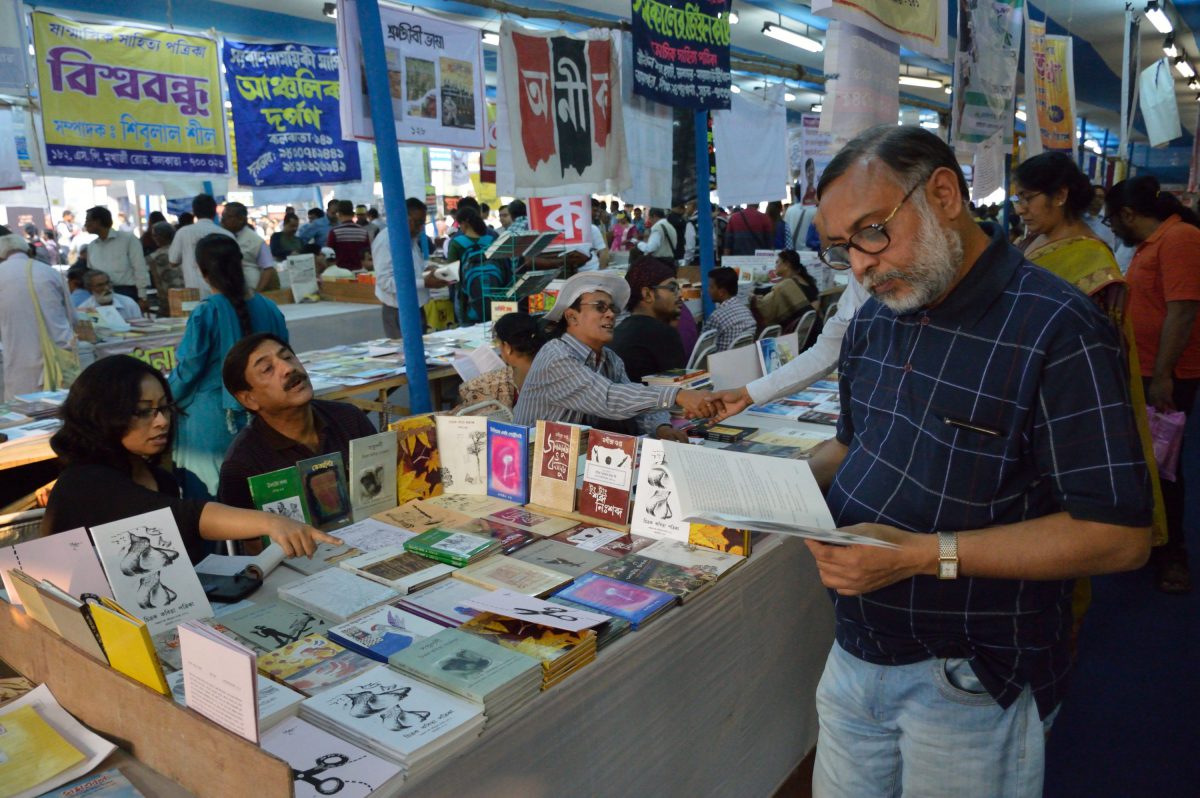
<point>1051,195</point>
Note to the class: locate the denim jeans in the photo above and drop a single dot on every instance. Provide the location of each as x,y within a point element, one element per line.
<point>923,730</point>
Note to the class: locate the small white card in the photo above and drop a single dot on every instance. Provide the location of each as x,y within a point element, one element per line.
<point>606,475</point>
<point>527,608</point>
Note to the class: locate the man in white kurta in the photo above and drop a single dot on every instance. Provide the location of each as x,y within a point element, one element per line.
<point>18,319</point>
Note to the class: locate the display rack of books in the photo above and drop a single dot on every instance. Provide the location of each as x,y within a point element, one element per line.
<point>444,626</point>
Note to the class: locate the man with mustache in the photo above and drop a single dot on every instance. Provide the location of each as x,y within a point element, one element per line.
<point>287,424</point>
<point>100,287</point>
<point>986,432</point>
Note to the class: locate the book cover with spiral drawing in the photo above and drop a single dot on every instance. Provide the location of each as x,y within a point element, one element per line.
<point>508,461</point>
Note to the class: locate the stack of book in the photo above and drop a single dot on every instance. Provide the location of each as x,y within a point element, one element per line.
<point>683,378</point>
<point>399,718</point>
<point>611,631</point>
<point>452,548</point>
<point>383,632</point>
<point>560,652</point>
<point>313,664</point>
<point>398,569</point>
<point>443,603</point>
<point>273,624</point>
<point>819,403</point>
<point>323,764</point>
<point>500,679</point>
<point>276,702</point>
<point>727,433</point>
<point>508,573</point>
<point>337,595</point>
<point>637,605</point>
<point>680,581</point>
<point>562,557</point>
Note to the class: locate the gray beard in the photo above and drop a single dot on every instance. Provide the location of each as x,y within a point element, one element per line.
<point>937,256</point>
<point>107,299</point>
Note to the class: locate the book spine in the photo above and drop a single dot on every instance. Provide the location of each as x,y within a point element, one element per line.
<point>86,610</point>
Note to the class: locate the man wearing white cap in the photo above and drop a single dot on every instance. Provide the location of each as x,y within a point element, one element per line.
<point>576,378</point>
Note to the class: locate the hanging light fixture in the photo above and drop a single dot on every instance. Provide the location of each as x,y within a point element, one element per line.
<point>1169,47</point>
<point>330,10</point>
<point>489,37</point>
<point>787,36</point>
<point>920,82</point>
<point>1158,16</point>
<point>816,108</point>
<point>1021,115</point>
<point>735,89</point>
<point>1183,67</point>
<point>788,97</point>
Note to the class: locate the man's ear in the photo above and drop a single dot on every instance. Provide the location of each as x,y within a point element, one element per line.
<point>246,400</point>
<point>944,194</point>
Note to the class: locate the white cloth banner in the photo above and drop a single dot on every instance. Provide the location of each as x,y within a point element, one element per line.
<point>648,135</point>
<point>10,165</point>
<point>919,25</point>
<point>13,72</point>
<point>563,108</point>
<point>1156,86</point>
<point>435,75</point>
<point>865,92</point>
<point>754,124</point>
<point>988,172</point>
<point>413,166</point>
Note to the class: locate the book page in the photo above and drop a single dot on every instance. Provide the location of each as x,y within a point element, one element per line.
<point>748,491</point>
<point>219,679</point>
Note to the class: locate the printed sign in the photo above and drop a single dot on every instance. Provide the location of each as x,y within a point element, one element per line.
<point>571,216</point>
<point>681,52</point>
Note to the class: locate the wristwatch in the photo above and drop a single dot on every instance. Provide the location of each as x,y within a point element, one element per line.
<point>947,555</point>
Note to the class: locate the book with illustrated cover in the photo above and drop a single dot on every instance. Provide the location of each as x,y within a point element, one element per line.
<point>279,492</point>
<point>418,464</point>
<point>372,474</point>
<point>324,491</point>
<point>775,353</point>
<point>636,569</point>
<point>606,633</point>
<point>421,516</point>
<point>727,433</point>
<point>443,603</point>
<point>312,664</point>
<point>608,542</point>
<point>543,643</point>
<point>720,538</point>
<point>383,632</point>
<point>105,784</point>
<point>149,571</point>
<point>569,560</point>
<point>555,465</point>
<point>687,555</point>
<point>273,624</point>
<point>336,595</point>
<point>633,603</point>
<point>470,506</point>
<point>327,555</point>
<point>467,665</point>
<point>536,523</point>
<point>608,476</point>
<point>508,573</point>
<point>508,461</point>
<point>166,645</point>
<point>398,569</point>
<point>371,534</point>
<point>67,559</point>
<point>462,445</point>
<point>453,548</point>
<point>510,537</point>
<point>321,762</point>
<point>656,512</point>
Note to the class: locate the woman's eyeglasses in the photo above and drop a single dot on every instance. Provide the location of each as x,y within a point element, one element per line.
<point>147,413</point>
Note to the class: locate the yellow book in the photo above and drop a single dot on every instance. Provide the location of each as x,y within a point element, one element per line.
<point>31,751</point>
<point>127,643</point>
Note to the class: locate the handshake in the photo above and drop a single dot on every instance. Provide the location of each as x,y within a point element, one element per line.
<point>716,405</point>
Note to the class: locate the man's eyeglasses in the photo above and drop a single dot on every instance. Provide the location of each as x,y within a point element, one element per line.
<point>870,240</point>
<point>147,413</point>
<point>1106,221</point>
<point>672,287</point>
<point>600,306</point>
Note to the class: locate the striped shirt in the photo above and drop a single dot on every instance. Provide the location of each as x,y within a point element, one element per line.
<point>730,319</point>
<point>1007,401</point>
<point>350,241</point>
<point>569,382</point>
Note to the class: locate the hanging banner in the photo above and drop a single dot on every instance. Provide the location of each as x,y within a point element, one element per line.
<point>681,52</point>
<point>763,120</point>
<point>124,98</point>
<point>647,125</point>
<point>864,92</point>
<point>1160,111</point>
<point>564,111</point>
<point>1050,82</point>
<point>10,164</point>
<point>285,115</point>
<point>817,150</point>
<point>487,161</point>
<point>435,76</point>
<point>570,216</point>
<point>13,74</point>
<point>985,70</point>
<point>916,24</point>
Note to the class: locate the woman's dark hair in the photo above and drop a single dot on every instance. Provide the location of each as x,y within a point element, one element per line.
<point>154,218</point>
<point>98,411</point>
<point>185,219</point>
<point>912,153</point>
<point>520,331</point>
<point>220,260</point>
<point>469,218</point>
<point>288,217</point>
<point>807,285</point>
<point>1049,173</point>
<point>1145,197</point>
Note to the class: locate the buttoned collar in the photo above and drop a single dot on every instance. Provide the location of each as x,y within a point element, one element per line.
<point>581,351</point>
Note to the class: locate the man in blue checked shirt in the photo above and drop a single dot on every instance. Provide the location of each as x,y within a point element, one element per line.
<point>986,432</point>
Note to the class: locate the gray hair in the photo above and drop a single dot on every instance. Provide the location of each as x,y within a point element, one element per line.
<point>92,274</point>
<point>912,153</point>
<point>12,243</point>
<point>164,231</point>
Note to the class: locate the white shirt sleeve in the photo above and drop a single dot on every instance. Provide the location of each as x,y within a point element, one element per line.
<point>818,360</point>
<point>689,242</point>
<point>265,259</point>
<point>653,241</point>
<point>385,282</point>
<point>598,242</point>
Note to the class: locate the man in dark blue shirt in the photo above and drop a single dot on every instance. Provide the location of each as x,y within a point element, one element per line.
<point>985,430</point>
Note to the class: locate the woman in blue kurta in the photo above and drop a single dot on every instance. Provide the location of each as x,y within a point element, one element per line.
<point>211,417</point>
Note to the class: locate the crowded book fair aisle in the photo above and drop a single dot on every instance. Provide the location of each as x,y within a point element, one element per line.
<point>623,398</point>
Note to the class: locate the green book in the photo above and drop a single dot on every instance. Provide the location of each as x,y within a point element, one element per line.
<point>467,665</point>
<point>279,492</point>
<point>454,548</point>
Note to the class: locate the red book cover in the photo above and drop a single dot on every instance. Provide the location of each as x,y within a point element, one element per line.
<point>608,476</point>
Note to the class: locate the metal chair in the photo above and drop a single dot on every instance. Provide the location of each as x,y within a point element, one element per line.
<point>804,329</point>
<point>706,344</point>
<point>744,339</point>
<point>770,331</point>
<point>830,311</point>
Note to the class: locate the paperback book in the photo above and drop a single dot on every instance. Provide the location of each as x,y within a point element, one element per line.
<point>535,523</point>
<point>443,603</point>
<point>371,534</point>
<point>382,632</point>
<point>219,679</point>
<point>510,538</point>
<point>275,701</point>
<point>507,573</point>
<point>273,624</point>
<point>636,604</point>
<point>560,652</point>
<point>323,764</point>
<point>606,633</point>
<point>608,542</point>
<point>323,488</point>
<point>279,492</point>
<point>149,571</point>
<point>681,582</point>
<point>106,784</point>
<point>709,561</point>
<point>508,461</point>
<point>398,569</point>
<point>336,595</point>
<point>452,548</point>
<point>656,512</point>
<point>372,474</point>
<point>473,668</point>
<point>418,464</point>
<point>555,465</point>
<point>462,444</point>
<point>327,555</point>
<point>476,506</point>
<point>67,559</point>
<point>421,516</point>
<point>58,611</point>
<point>568,560</point>
<point>608,476</point>
<point>313,664</point>
<point>127,643</point>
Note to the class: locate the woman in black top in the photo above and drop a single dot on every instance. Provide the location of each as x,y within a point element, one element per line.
<point>117,422</point>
